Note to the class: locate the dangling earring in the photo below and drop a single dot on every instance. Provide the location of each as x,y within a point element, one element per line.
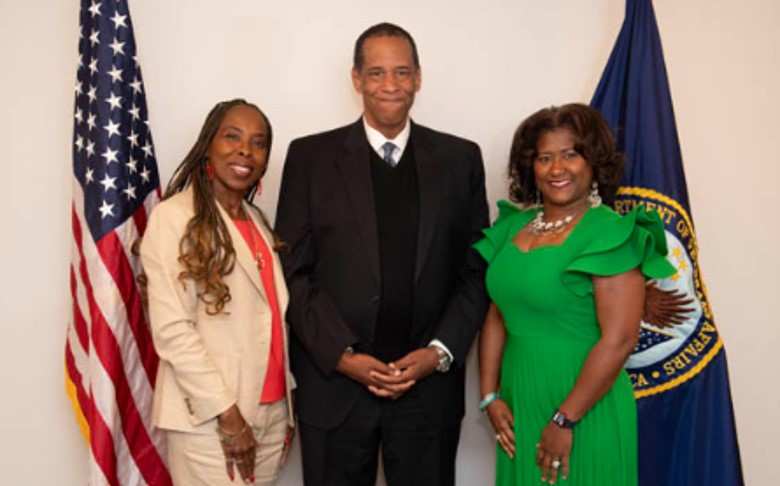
<point>593,198</point>
<point>538,199</point>
<point>209,171</point>
<point>259,190</point>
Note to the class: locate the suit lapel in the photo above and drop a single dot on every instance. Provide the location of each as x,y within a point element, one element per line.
<point>244,258</point>
<point>429,178</point>
<point>353,164</point>
<point>279,284</point>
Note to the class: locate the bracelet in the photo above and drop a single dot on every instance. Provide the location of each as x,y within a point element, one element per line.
<point>489,398</point>
<point>226,437</point>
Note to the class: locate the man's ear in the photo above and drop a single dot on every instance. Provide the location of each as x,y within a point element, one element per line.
<point>356,81</point>
<point>417,79</point>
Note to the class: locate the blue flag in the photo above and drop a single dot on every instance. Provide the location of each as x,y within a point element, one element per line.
<point>687,435</point>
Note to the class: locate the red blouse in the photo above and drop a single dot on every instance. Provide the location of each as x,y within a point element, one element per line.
<point>274,386</point>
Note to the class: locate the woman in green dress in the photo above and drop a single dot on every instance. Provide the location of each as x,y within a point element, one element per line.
<point>566,277</point>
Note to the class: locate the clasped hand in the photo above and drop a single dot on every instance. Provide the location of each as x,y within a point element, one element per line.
<point>389,380</point>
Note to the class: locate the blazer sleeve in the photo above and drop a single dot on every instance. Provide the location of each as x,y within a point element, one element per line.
<point>173,310</point>
<point>313,317</point>
<point>465,311</point>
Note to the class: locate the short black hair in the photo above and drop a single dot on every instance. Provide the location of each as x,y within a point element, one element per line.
<point>593,140</point>
<point>382,30</point>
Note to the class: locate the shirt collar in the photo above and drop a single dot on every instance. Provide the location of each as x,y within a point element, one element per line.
<point>376,139</point>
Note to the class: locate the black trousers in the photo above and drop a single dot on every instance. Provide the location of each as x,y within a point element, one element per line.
<point>415,451</point>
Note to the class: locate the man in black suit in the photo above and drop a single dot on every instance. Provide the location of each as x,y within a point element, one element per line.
<point>386,293</point>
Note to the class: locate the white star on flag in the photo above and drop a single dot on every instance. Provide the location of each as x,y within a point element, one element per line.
<point>136,85</point>
<point>110,156</point>
<point>147,148</point>
<point>119,20</point>
<point>94,9</point>
<point>133,139</point>
<point>114,101</point>
<point>108,183</point>
<point>132,165</point>
<point>129,192</point>
<point>116,74</point>
<point>134,112</point>
<point>106,210</point>
<point>112,128</point>
<point>117,47</point>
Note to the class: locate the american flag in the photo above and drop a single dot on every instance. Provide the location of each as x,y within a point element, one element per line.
<point>110,362</point>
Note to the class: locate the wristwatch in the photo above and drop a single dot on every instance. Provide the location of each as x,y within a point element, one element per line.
<point>562,420</point>
<point>444,359</point>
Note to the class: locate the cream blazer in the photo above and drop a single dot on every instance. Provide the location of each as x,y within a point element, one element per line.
<point>207,363</point>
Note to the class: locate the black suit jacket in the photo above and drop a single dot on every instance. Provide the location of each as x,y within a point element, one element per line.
<point>326,214</point>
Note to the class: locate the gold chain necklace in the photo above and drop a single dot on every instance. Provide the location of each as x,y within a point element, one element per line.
<point>258,255</point>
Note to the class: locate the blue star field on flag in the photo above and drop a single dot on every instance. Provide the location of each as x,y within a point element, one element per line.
<point>113,153</point>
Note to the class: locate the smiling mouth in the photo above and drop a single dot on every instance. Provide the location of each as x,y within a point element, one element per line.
<point>241,170</point>
<point>559,184</point>
<point>394,101</point>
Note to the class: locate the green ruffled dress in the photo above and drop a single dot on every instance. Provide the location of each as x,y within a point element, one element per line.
<point>546,298</point>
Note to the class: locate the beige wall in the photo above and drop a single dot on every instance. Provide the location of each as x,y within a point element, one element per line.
<point>486,65</point>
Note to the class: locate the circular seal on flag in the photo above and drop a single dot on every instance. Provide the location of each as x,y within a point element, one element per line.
<point>668,356</point>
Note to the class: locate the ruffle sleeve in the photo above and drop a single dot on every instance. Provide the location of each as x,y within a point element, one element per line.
<point>618,245</point>
<point>496,235</point>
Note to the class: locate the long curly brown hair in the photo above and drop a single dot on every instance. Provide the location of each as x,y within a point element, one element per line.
<point>592,139</point>
<point>206,250</point>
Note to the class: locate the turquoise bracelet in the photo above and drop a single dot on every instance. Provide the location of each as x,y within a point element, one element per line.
<point>489,398</point>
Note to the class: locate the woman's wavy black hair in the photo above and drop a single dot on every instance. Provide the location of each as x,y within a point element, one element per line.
<point>593,140</point>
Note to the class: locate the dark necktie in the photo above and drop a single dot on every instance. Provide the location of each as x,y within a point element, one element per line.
<point>388,149</point>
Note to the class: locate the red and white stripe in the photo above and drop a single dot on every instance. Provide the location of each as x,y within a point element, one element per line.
<point>110,360</point>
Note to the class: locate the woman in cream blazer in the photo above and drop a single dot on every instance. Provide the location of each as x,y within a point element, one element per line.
<point>217,300</point>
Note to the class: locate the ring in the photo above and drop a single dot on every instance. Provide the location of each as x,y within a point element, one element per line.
<point>556,464</point>
<point>498,436</point>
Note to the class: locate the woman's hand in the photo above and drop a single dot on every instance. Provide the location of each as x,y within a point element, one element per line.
<point>664,308</point>
<point>553,451</point>
<point>287,447</point>
<point>238,444</point>
<point>504,425</point>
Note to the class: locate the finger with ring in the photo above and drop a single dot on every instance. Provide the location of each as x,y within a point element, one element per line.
<point>556,464</point>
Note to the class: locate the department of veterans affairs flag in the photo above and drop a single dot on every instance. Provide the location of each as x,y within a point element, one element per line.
<point>110,362</point>
<point>687,435</point>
